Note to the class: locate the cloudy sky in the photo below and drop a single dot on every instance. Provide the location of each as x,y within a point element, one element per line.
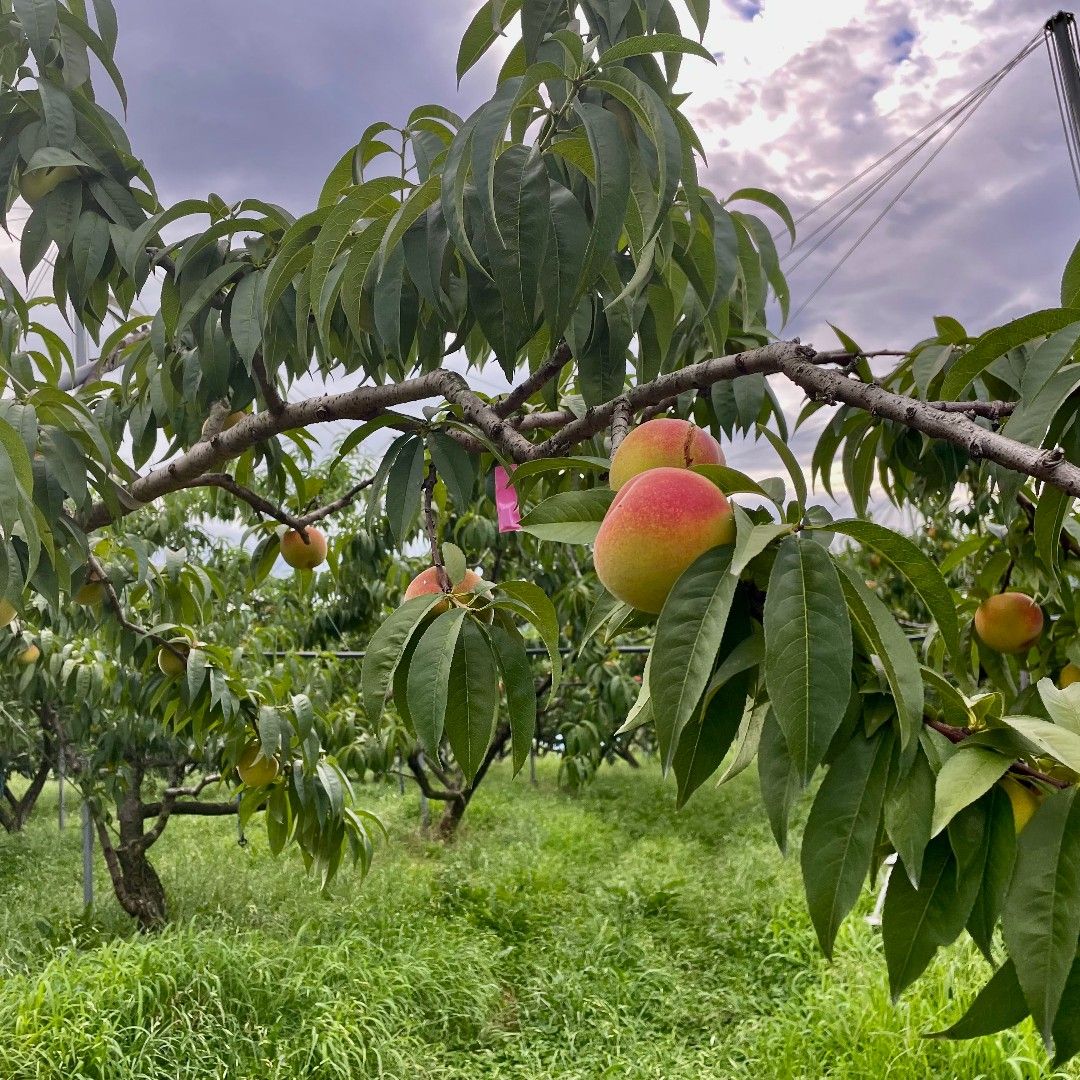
<point>260,97</point>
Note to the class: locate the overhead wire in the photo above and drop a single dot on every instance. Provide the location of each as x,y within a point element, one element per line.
<point>957,120</point>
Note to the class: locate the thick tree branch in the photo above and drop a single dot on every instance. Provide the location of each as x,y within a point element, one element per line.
<point>191,809</point>
<point>991,410</point>
<point>424,783</point>
<point>547,371</point>
<point>830,386</point>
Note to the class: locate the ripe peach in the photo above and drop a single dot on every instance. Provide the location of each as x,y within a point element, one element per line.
<point>301,555</point>
<point>1010,622</point>
<point>663,443</point>
<point>1069,674</point>
<point>658,524</point>
<point>427,582</point>
<point>30,655</point>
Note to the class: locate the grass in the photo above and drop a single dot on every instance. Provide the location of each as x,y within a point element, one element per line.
<point>566,937</point>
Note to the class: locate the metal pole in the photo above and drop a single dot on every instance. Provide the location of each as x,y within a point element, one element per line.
<point>532,763</point>
<point>400,777</point>
<point>61,766</point>
<point>87,857</point>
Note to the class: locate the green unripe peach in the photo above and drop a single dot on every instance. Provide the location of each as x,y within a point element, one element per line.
<point>7,613</point>
<point>35,185</point>
<point>663,443</point>
<point>301,555</point>
<point>1010,622</point>
<point>90,594</point>
<point>30,655</point>
<point>658,524</point>
<point>172,662</point>
<point>256,770</point>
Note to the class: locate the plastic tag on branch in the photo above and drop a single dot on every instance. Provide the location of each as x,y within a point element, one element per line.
<point>506,502</point>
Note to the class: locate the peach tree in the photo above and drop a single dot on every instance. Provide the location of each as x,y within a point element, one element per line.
<point>562,232</point>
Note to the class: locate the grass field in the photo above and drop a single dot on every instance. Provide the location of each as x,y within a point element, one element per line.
<point>586,937</point>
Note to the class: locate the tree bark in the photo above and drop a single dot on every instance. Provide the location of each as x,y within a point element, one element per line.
<point>456,806</point>
<point>13,819</point>
<point>135,882</point>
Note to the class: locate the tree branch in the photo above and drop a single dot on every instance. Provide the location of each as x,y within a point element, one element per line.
<point>547,371</point>
<point>99,574</point>
<point>830,386</point>
<point>421,778</point>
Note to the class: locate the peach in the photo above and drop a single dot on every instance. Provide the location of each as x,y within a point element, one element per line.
<point>300,555</point>
<point>230,421</point>
<point>658,524</point>
<point>7,612</point>
<point>30,655</point>
<point>256,770</point>
<point>1069,674</point>
<point>1025,801</point>
<point>35,185</point>
<point>1010,622</point>
<point>427,582</point>
<point>172,662</point>
<point>662,443</point>
<point>91,593</point>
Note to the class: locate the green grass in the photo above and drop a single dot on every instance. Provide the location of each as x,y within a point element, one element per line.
<point>595,936</point>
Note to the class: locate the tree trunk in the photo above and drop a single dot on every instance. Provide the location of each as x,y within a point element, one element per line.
<point>456,807</point>
<point>19,810</point>
<point>135,882</point>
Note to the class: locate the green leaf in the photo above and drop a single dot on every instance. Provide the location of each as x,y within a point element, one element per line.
<point>569,517</point>
<point>883,637</point>
<point>984,840</point>
<point>419,199</point>
<point>454,563</point>
<point>967,775</point>
<point>731,481</point>
<point>644,44</point>
<point>779,780</point>
<point>1062,705</point>
<point>14,448</point>
<point>520,693</point>
<point>998,1005</point>
<point>385,650</point>
<point>564,259</point>
<point>920,571</point>
<point>808,650</point>
<point>101,47</point>
<point>1070,280</point>
<point>688,636</point>
<point>838,843</point>
<point>916,922</point>
<point>207,289</point>
<point>1000,340</point>
<point>536,607</point>
<point>1041,920</point>
<point>751,540</point>
<point>1059,742</point>
<point>767,198</point>
<point>429,677</point>
<point>482,33</point>
<point>38,21</point>
<point>909,810</point>
<point>403,488</point>
<point>790,463</point>
<point>89,246</point>
<point>455,466</point>
<point>245,323</point>
<point>59,115</point>
<point>472,698</point>
<point>611,192</point>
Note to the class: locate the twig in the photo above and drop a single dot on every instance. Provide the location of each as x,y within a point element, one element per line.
<point>99,575</point>
<point>274,401</point>
<point>432,528</point>
<point>991,410</point>
<point>958,735</point>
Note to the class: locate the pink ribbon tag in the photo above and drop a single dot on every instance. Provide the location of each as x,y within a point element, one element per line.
<point>506,502</point>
